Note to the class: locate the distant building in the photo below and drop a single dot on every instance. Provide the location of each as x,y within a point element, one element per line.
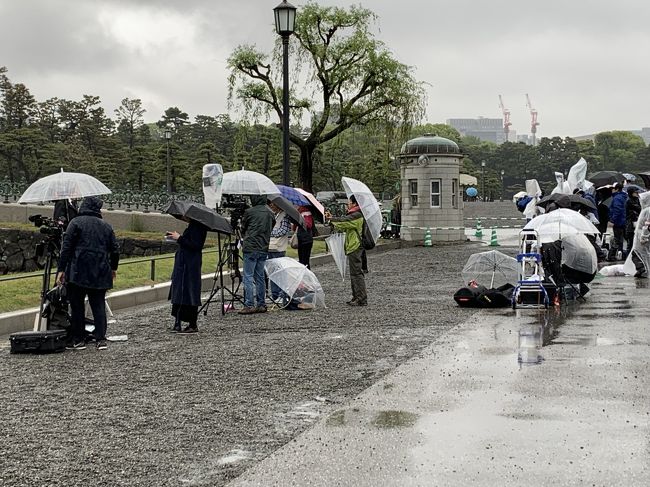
<point>526,139</point>
<point>644,133</point>
<point>488,129</point>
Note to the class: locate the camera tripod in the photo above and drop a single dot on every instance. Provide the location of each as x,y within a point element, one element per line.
<point>51,249</point>
<point>228,262</point>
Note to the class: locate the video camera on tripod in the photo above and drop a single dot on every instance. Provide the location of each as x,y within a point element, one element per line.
<point>53,231</point>
<point>237,205</point>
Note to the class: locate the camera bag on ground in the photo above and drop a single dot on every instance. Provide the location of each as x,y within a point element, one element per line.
<point>54,339</point>
<point>47,341</point>
<point>467,296</point>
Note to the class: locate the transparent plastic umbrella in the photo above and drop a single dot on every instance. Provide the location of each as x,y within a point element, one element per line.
<point>336,245</point>
<point>491,269</point>
<point>247,182</point>
<point>556,224</point>
<point>579,254</point>
<point>63,185</point>
<point>298,282</point>
<point>367,202</point>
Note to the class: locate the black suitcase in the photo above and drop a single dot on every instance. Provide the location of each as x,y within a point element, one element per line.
<point>38,341</point>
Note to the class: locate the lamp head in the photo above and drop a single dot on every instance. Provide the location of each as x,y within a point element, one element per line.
<point>285,18</point>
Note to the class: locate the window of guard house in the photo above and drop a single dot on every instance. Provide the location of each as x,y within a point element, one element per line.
<point>454,193</point>
<point>435,193</point>
<point>413,191</point>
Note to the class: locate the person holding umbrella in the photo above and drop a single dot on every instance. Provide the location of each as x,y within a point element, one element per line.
<point>617,218</point>
<point>185,290</point>
<point>305,236</point>
<point>278,242</point>
<point>87,265</point>
<point>352,225</point>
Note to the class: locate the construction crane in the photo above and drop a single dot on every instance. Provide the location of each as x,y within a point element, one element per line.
<point>533,118</point>
<point>506,118</point>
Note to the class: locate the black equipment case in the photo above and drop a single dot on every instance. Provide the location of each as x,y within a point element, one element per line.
<point>38,341</point>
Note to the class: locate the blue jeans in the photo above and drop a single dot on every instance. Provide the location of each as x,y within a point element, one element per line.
<point>254,285</point>
<point>276,292</point>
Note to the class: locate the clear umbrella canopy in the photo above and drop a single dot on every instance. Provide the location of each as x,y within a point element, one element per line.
<point>559,223</point>
<point>579,254</point>
<point>298,282</point>
<point>491,269</point>
<point>63,185</point>
<point>367,202</point>
<point>247,182</point>
<point>336,245</point>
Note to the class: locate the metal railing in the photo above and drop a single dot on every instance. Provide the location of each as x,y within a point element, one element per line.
<point>151,259</point>
<point>145,200</point>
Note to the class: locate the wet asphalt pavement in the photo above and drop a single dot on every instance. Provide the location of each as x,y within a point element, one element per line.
<point>168,410</point>
<point>508,398</point>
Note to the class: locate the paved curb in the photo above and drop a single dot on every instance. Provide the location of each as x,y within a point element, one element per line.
<point>24,319</point>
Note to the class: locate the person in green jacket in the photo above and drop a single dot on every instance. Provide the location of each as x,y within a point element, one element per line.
<point>352,225</point>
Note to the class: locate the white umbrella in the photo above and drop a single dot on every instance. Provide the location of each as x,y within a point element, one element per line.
<point>367,202</point>
<point>298,282</point>
<point>562,222</point>
<point>336,245</point>
<point>247,182</point>
<point>63,185</point>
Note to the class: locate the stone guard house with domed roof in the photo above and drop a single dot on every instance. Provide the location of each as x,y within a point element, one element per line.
<point>431,194</point>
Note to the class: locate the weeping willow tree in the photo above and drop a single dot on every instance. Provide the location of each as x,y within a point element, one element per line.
<point>342,77</point>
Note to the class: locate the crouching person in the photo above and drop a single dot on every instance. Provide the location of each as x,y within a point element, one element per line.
<point>87,265</point>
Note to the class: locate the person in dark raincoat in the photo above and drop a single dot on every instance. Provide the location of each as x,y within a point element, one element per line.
<point>185,291</point>
<point>256,226</point>
<point>617,218</point>
<point>87,265</point>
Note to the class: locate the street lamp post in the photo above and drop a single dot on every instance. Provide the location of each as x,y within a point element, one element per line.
<point>502,173</point>
<point>168,136</point>
<point>483,180</point>
<point>285,21</point>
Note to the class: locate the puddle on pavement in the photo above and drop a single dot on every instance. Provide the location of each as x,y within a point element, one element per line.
<point>394,419</point>
<point>541,331</point>
<point>337,418</point>
<point>383,419</point>
<point>613,315</point>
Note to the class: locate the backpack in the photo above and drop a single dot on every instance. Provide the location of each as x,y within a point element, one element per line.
<point>367,242</point>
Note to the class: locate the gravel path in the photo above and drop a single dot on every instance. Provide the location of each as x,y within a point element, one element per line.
<point>167,410</point>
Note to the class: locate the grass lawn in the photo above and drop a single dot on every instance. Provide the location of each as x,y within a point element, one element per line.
<point>25,293</point>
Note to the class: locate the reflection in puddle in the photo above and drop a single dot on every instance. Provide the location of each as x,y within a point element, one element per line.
<point>394,419</point>
<point>382,419</point>
<point>641,283</point>
<point>529,344</point>
<point>540,332</point>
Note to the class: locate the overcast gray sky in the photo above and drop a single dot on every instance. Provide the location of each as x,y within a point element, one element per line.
<point>583,62</point>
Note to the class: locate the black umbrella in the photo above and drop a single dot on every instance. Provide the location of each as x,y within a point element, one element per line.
<point>603,178</point>
<point>578,201</point>
<point>646,178</point>
<point>606,202</point>
<point>284,204</point>
<point>561,200</point>
<point>200,213</point>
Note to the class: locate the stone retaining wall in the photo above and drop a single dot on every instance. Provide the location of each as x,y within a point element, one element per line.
<point>18,249</point>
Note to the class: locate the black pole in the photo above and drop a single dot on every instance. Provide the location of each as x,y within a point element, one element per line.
<point>169,179</point>
<point>285,110</point>
<point>483,181</point>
